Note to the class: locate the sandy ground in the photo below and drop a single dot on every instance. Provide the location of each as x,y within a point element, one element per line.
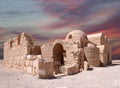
<point>100,77</point>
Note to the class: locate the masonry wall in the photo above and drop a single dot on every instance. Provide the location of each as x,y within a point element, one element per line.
<point>15,51</point>
<point>74,55</point>
<point>104,46</point>
<point>68,56</point>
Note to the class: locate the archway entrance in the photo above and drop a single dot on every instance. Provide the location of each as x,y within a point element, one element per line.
<point>58,57</point>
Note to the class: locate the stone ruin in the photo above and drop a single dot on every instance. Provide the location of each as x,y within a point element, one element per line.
<point>77,52</point>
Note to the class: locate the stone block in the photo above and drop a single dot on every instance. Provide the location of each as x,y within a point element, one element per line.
<point>86,65</point>
<point>104,59</point>
<point>41,64</point>
<point>90,45</point>
<point>98,38</point>
<point>35,71</point>
<point>39,56</point>
<point>92,56</point>
<point>103,49</point>
<point>49,71</point>
<point>36,63</point>
<point>25,69</point>
<point>48,64</point>
<point>29,63</point>
<point>47,51</point>
<point>46,69</point>
<point>69,69</point>
<point>29,70</point>
<point>46,73</point>
<point>42,73</point>
<point>31,57</point>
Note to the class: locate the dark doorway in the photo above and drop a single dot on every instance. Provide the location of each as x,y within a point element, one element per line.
<point>58,57</point>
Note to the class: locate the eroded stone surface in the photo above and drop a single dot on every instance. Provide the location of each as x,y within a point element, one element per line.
<point>72,55</point>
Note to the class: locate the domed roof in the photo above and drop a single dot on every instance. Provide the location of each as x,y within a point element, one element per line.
<point>77,37</point>
<point>75,33</point>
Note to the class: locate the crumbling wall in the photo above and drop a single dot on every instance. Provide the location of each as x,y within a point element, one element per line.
<point>54,53</point>
<point>15,51</point>
<point>68,56</point>
<point>98,38</point>
<point>46,69</point>
<point>75,42</point>
<point>47,51</point>
<point>92,56</point>
<point>32,64</point>
<point>74,55</point>
<point>104,46</point>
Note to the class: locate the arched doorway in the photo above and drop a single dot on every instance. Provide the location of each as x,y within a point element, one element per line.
<point>58,57</point>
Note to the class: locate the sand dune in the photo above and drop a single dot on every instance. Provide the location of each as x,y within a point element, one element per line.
<point>100,77</point>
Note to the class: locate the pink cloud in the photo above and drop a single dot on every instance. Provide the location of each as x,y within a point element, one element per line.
<point>2,30</point>
<point>116,51</point>
<point>112,33</point>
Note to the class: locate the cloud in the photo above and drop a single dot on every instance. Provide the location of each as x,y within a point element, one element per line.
<point>80,14</point>
<point>111,33</point>
<point>116,51</point>
<point>58,17</point>
<point>92,16</point>
<point>2,30</point>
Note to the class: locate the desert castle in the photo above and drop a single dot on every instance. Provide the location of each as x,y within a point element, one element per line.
<point>77,52</point>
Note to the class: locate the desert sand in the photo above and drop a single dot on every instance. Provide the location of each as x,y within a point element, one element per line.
<point>99,77</point>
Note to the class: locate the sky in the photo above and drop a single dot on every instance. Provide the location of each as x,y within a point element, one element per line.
<point>52,19</point>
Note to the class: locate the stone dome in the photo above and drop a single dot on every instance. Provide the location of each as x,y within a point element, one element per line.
<point>78,37</point>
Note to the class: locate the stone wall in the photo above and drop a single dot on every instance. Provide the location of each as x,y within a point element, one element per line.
<point>92,56</point>
<point>104,46</point>
<point>70,56</point>
<point>32,64</point>
<point>15,51</point>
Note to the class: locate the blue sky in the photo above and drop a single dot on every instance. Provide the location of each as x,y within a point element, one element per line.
<point>24,13</point>
<point>19,13</point>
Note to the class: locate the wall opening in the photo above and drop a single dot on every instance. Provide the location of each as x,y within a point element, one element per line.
<point>36,50</point>
<point>58,57</point>
<point>70,36</point>
<point>19,37</point>
<point>11,44</point>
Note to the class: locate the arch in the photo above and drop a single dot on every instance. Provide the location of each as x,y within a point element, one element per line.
<point>58,58</point>
<point>70,36</point>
